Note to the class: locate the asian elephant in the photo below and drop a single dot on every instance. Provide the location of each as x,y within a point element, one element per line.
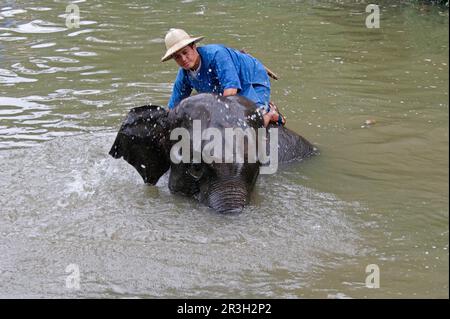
<point>144,141</point>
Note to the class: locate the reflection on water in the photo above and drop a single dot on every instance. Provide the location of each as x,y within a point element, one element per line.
<point>377,193</point>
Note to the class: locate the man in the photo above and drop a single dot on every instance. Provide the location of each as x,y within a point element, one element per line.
<point>217,69</point>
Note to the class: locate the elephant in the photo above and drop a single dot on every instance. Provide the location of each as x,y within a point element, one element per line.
<point>145,141</point>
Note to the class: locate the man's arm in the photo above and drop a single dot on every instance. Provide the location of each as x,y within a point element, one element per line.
<point>226,72</point>
<point>228,92</point>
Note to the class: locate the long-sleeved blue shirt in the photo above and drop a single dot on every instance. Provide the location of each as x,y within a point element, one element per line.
<point>223,68</point>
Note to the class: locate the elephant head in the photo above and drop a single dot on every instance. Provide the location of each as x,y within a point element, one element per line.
<point>223,186</point>
<point>147,141</point>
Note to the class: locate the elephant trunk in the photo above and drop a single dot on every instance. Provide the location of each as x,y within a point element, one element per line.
<point>229,196</point>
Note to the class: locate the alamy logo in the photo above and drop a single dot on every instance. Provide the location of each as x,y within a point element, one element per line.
<point>73,16</point>
<point>373,19</point>
<point>73,279</point>
<point>232,141</point>
<point>373,279</point>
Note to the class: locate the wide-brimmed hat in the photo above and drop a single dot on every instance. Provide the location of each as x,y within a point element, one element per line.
<point>175,40</point>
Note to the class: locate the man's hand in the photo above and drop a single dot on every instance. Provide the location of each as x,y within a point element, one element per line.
<point>273,116</point>
<point>228,92</point>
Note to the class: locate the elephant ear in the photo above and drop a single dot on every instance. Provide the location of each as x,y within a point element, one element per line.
<point>143,142</point>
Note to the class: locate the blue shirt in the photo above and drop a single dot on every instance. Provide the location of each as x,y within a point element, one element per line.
<point>223,68</point>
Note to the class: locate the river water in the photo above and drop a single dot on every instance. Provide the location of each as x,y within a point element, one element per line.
<point>376,195</point>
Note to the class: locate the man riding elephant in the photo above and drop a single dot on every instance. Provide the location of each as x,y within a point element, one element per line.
<point>148,138</point>
<point>234,96</point>
<point>214,68</point>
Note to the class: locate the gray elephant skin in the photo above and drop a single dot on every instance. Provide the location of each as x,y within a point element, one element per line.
<point>144,142</point>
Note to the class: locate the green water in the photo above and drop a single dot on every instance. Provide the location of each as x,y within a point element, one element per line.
<point>377,194</point>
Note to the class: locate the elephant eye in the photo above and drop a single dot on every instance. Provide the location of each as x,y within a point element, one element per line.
<point>196,171</point>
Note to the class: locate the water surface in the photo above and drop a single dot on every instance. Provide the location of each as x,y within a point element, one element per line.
<point>377,194</point>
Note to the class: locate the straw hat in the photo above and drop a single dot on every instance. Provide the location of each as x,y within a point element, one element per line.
<point>175,40</point>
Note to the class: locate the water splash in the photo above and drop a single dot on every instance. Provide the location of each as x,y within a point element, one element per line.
<point>77,204</point>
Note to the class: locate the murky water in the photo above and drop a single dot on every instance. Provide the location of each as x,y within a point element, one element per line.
<point>377,194</point>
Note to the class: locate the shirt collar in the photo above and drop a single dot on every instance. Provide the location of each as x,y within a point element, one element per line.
<point>194,73</point>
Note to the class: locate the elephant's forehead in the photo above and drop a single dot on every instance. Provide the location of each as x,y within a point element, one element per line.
<point>214,111</point>
<point>215,105</point>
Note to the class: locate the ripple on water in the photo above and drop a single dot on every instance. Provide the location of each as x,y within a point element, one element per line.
<point>8,13</point>
<point>10,77</point>
<point>61,59</point>
<point>97,40</point>
<point>22,103</point>
<point>39,8</point>
<point>43,45</point>
<point>46,69</point>
<point>84,53</point>
<point>73,34</point>
<point>36,26</point>
<point>11,39</point>
<point>28,120</point>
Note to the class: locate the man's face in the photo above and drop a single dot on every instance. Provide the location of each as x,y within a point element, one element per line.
<point>187,57</point>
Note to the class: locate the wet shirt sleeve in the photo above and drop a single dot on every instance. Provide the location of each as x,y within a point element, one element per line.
<point>181,89</point>
<point>226,70</point>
